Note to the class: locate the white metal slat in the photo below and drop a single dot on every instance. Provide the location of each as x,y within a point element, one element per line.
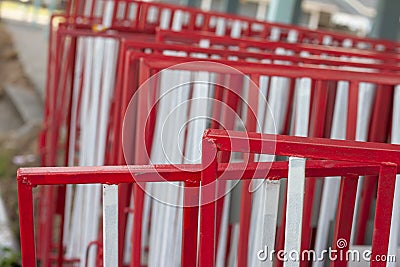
<point>92,196</point>
<point>294,210</point>
<point>163,213</point>
<point>167,80</point>
<point>232,260</point>
<point>168,99</point>
<point>278,93</point>
<point>177,121</point>
<point>75,243</point>
<point>110,225</point>
<point>296,176</point>
<point>169,214</point>
<point>270,215</point>
<point>72,140</point>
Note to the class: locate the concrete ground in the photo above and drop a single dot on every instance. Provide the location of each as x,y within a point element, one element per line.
<point>31,44</point>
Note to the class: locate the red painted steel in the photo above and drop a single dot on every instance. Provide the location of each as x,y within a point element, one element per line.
<point>62,58</point>
<point>154,61</point>
<point>344,217</point>
<point>31,177</point>
<point>198,20</point>
<point>384,154</point>
<point>250,44</point>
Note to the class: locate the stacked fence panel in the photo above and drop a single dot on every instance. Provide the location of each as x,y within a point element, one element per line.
<point>137,83</point>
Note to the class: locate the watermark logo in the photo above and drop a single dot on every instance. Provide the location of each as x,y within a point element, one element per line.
<point>167,115</point>
<point>339,253</point>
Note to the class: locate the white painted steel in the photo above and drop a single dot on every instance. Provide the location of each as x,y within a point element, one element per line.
<point>294,209</point>
<point>96,58</point>
<point>110,225</point>
<point>269,218</point>
<point>232,260</point>
<point>273,120</point>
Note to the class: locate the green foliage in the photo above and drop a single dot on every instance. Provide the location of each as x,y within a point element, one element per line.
<point>9,258</point>
<point>5,163</point>
<point>7,168</point>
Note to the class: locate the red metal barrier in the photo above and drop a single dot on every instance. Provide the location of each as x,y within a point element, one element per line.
<point>133,20</point>
<point>136,15</point>
<point>154,63</point>
<point>387,156</point>
<point>190,174</point>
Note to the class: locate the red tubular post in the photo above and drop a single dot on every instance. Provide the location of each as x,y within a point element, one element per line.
<point>61,207</point>
<point>378,132</point>
<point>317,123</point>
<point>231,100</point>
<point>207,202</point>
<point>25,206</point>
<point>124,196</point>
<point>344,219</point>
<point>140,157</point>
<point>245,203</point>
<point>352,111</point>
<point>190,225</point>
<point>383,214</point>
<point>138,198</point>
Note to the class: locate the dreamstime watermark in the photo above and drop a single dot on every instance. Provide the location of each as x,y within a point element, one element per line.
<point>340,253</point>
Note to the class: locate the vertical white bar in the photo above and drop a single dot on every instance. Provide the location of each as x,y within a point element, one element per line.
<point>110,225</point>
<point>236,29</point>
<point>292,36</point>
<point>221,27</point>
<point>108,13</point>
<point>327,40</point>
<point>275,34</point>
<point>72,140</point>
<point>273,118</point>
<point>302,108</point>
<point>177,21</point>
<point>232,259</point>
<point>165,19</point>
<point>294,210</point>
<point>270,215</point>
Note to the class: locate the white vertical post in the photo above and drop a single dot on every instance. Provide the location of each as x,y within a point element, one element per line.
<point>110,225</point>
<point>294,210</point>
<point>269,217</point>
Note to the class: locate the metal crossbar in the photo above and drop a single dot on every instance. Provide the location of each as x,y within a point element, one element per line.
<point>298,149</point>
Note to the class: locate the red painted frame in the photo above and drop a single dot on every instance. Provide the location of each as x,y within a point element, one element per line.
<point>85,23</point>
<point>75,9</point>
<point>155,62</point>
<point>28,178</point>
<point>385,155</point>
